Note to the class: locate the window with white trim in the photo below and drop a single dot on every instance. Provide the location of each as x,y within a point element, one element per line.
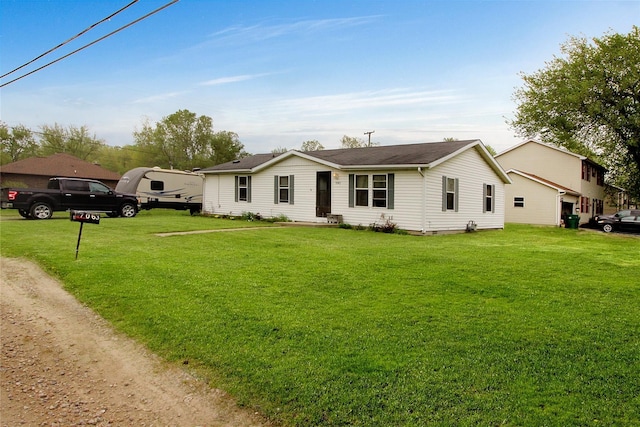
<point>449,194</point>
<point>283,189</point>
<point>489,198</point>
<point>243,188</point>
<point>362,190</point>
<point>518,202</point>
<point>379,191</point>
<point>376,190</point>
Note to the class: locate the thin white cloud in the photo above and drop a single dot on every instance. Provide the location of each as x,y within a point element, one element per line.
<point>261,32</point>
<point>159,97</point>
<point>231,79</point>
<point>404,97</point>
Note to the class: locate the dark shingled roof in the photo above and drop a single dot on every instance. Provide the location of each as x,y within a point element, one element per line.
<point>392,155</point>
<point>246,163</point>
<point>61,164</point>
<point>409,154</point>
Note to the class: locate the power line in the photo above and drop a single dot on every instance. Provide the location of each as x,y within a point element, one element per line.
<point>90,44</point>
<point>71,39</point>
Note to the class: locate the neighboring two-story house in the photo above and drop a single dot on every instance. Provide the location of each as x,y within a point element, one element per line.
<point>549,183</point>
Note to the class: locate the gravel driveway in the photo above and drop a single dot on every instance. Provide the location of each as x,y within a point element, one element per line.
<point>62,365</point>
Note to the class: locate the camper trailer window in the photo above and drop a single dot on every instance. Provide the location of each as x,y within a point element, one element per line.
<point>157,185</point>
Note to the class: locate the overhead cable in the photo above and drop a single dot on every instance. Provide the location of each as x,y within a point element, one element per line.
<point>71,39</point>
<point>91,44</point>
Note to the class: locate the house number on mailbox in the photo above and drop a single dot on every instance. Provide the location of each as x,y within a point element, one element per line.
<point>82,217</point>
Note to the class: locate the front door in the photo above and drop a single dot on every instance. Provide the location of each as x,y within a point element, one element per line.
<point>323,194</point>
<point>567,209</point>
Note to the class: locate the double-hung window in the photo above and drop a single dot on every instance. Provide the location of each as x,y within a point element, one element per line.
<point>362,190</point>
<point>489,198</point>
<point>449,194</point>
<point>374,190</point>
<point>518,202</point>
<point>379,191</point>
<point>283,189</point>
<point>243,189</point>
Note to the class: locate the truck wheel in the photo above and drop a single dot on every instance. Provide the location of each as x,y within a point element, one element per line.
<point>41,210</point>
<point>128,210</point>
<point>23,213</point>
<point>607,228</point>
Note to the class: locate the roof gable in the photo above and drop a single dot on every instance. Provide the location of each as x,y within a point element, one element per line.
<point>61,164</point>
<point>541,144</point>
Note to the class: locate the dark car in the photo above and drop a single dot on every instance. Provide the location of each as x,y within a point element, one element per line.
<point>624,220</point>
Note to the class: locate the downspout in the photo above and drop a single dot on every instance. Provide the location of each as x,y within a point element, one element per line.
<point>424,201</point>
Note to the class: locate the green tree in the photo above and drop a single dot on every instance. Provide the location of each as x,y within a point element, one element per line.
<point>120,159</point>
<point>72,140</point>
<point>312,145</point>
<point>16,143</point>
<point>224,147</point>
<point>355,142</point>
<point>352,142</point>
<point>588,100</point>
<point>183,140</point>
<point>279,150</point>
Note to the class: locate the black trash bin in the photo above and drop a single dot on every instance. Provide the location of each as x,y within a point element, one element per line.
<point>572,221</point>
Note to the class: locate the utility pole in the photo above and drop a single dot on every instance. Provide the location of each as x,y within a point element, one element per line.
<point>369,133</point>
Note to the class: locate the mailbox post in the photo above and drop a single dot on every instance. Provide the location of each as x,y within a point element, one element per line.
<point>83,217</point>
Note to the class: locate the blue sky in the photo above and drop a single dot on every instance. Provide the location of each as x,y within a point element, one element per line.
<point>279,73</point>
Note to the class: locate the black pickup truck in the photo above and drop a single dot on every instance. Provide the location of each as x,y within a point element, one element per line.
<point>64,194</point>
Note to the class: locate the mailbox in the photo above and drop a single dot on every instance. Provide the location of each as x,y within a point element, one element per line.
<point>80,216</point>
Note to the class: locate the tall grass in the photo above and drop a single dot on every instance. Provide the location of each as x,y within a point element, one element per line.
<point>526,326</point>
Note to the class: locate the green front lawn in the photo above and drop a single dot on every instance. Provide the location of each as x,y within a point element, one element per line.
<point>526,326</point>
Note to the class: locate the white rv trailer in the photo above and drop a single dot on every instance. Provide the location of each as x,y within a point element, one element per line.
<point>164,188</point>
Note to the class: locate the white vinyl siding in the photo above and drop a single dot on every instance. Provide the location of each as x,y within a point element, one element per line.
<point>413,197</point>
<point>471,171</point>
<point>219,191</point>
